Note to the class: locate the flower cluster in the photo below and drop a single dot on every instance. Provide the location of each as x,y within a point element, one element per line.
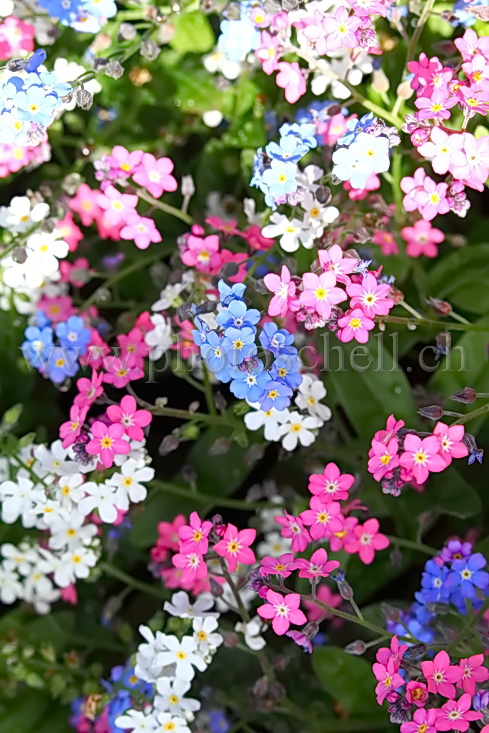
<point>399,456</point>
<point>86,16</point>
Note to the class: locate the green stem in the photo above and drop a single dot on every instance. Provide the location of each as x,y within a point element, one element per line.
<point>432,322</point>
<point>172,210</point>
<point>209,395</point>
<point>412,545</point>
<point>204,499</point>
<point>472,415</point>
<point>134,583</point>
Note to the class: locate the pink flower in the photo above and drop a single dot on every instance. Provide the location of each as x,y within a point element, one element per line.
<point>69,231</point>
<point>70,430</point>
<point>325,595</point>
<point>470,44</point>
<point>395,652</point>
<point>331,130</point>
<point>106,442</point>
<point>69,594</point>
<point>115,205</point>
<point>131,419</point>
<point>435,107</point>
<point>456,714</point>
<point>141,229</point>
<point>194,536</point>
<point>423,722</point>
<point>155,175</point>
<point>96,352</point>
<point>320,293</point>
<point>368,539</point>
<point>291,78</point>
<point>121,163</point>
<point>284,610</point>
<point>293,528</point>
<point>422,239</point>
<point>333,260</point>
<point>84,203</point>
<point>88,389</point>
<point>416,693</point>
<point>168,533</point>
<point>133,343</point>
<point>472,671</point>
<point>355,325</point>
<point>432,200</point>
<point>267,52</point>
<point>192,565</point>
<point>370,296</point>
<point>386,242</point>
<point>284,290</point>
<point>238,258</point>
<point>345,536</point>
<point>383,458</point>
<point>476,169</point>
<point>331,485</point>
<point>202,253</point>
<point>340,30</point>
<point>281,566</point>
<point>440,675</point>
<point>445,151</point>
<point>15,36</point>
<point>77,273</point>
<point>324,519</point>
<point>58,308</point>
<point>317,566</point>
<point>388,680</point>
<point>451,445</point>
<point>422,456</point>
<point>121,371</point>
<point>256,240</point>
<point>235,546</point>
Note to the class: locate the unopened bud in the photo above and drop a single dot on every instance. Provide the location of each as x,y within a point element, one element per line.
<point>357,648</point>
<point>405,90</point>
<point>443,307</point>
<point>432,412</point>
<point>233,11</point>
<point>220,446</point>
<point>208,307</point>
<point>83,98</point>
<point>19,255</point>
<point>114,69</point>
<point>380,82</point>
<point>188,186</point>
<point>323,195</point>
<point>126,32</point>
<point>345,590</point>
<point>229,270</point>
<point>168,445</point>
<point>391,613</point>
<point>415,653</point>
<point>396,557</point>
<point>71,183</point>
<point>149,49</point>
<point>290,5</point>
<point>467,395</point>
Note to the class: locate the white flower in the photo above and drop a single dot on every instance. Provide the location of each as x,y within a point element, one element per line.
<point>147,667</point>
<point>128,483</point>
<point>270,420</point>
<point>18,500</point>
<point>160,337</point>
<point>170,697</point>
<point>299,430</point>
<point>339,65</point>
<point>48,511</point>
<point>182,607</point>
<point>6,8</point>
<point>204,635</point>
<point>311,391</point>
<point>21,558</point>
<point>252,633</point>
<point>317,216</point>
<point>227,600</point>
<point>218,62</point>
<point>20,215</point>
<point>169,723</point>
<point>169,297</point>
<point>183,654</point>
<point>40,591</point>
<point>10,588</point>
<point>212,118</point>
<point>137,722</point>
<point>78,563</point>
<point>70,489</point>
<point>308,177</point>
<point>55,459</point>
<point>102,498</point>
<point>274,544</point>
<point>69,532</point>
<point>290,231</point>
<point>47,248</point>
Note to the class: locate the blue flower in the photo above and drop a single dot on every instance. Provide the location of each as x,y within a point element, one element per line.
<point>41,319</point>
<point>286,369</point>
<point>280,178</point>
<point>214,353</point>
<point>433,583</point>
<point>239,344</point>
<point>305,132</point>
<point>218,723</point>
<point>278,341</point>
<point>72,333</point>
<point>237,315</point>
<point>36,348</point>
<point>62,363</point>
<point>52,85</point>
<point>35,105</point>
<point>230,292</point>
<point>238,38</point>
<point>290,148</point>
<point>356,126</point>
<point>118,706</point>
<point>467,575</point>
<point>35,61</point>
<point>277,395</point>
<point>476,454</point>
<point>201,333</point>
<point>250,384</point>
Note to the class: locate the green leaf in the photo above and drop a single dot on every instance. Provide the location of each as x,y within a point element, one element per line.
<point>348,679</point>
<point>456,271</point>
<point>446,493</point>
<point>193,33</point>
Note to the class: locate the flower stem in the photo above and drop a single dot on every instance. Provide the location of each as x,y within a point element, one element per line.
<point>472,415</point>
<point>412,545</point>
<point>431,322</point>
<point>198,498</point>
<point>162,206</point>
<point>134,583</point>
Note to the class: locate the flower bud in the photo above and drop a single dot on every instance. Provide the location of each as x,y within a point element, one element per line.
<point>443,307</point>
<point>432,412</point>
<point>188,186</point>
<point>405,90</point>
<point>467,395</point>
<point>356,648</point>
<point>345,590</point>
<point>114,69</point>
<point>126,32</point>
<point>168,445</point>
<point>83,98</point>
<point>391,613</point>
<point>149,49</point>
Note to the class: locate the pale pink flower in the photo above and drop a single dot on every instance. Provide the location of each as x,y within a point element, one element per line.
<point>340,29</point>
<point>121,163</point>
<point>422,456</point>
<point>476,169</point>
<point>155,175</point>
<point>141,229</point>
<point>284,610</point>
<point>284,290</point>
<point>202,252</point>
<point>291,79</point>
<point>443,150</point>
<point>422,239</point>
<point>355,325</point>
<point>320,293</point>
<point>268,52</point>
<point>451,441</point>
<point>115,205</point>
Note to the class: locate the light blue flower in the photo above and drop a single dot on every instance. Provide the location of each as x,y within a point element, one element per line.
<point>290,148</point>
<point>280,178</point>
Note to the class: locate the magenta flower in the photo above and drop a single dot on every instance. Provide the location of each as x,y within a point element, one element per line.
<point>331,485</point>
<point>340,29</point>
<point>131,419</point>
<point>106,442</point>
<point>283,288</point>
<point>202,252</point>
<point>70,430</point>
<point>320,293</point>
<point>191,565</point>
<point>235,546</point>
<point>473,671</point>
<point>121,163</point>
<point>422,239</point>
<point>284,610</point>
<point>383,458</point>
<point>451,441</point>
<point>422,456</point>
<point>355,325</point>
<point>395,652</point>
<point>194,536</point>
<point>121,371</point>
<point>416,693</point>
<point>155,175</point>
<point>388,680</point>
<point>141,229</point>
<point>333,260</point>
<point>291,79</point>
<point>368,539</point>
<point>115,205</point>
<point>88,389</point>
<point>324,519</point>
<point>282,566</point>
<point>370,296</point>
<point>441,675</point>
<point>293,528</point>
<point>423,721</point>
<point>456,714</point>
<point>317,566</point>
